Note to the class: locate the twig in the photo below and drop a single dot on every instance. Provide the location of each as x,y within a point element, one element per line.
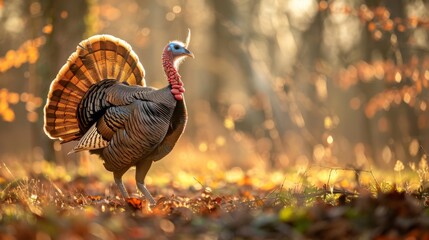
<point>329,177</point>
<point>274,190</point>
<point>351,169</point>
<point>345,169</point>
<point>424,151</point>
<point>8,170</point>
<point>56,188</point>
<point>202,185</point>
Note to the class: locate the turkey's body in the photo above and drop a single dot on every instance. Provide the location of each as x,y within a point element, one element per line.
<point>137,124</point>
<point>99,97</point>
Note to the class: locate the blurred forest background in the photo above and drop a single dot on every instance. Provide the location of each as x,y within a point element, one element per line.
<point>275,83</point>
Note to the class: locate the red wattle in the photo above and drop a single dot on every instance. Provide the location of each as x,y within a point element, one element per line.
<point>173,76</point>
<point>178,97</point>
<point>175,91</point>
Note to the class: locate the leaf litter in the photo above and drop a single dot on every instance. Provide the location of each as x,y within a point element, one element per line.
<point>86,208</point>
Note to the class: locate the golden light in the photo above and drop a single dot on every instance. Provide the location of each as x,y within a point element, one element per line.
<point>24,97</point>
<point>414,147</point>
<point>170,16</point>
<point>8,115</point>
<point>236,111</point>
<point>319,152</point>
<point>47,29</point>
<point>378,35</point>
<point>229,123</point>
<point>220,141</point>
<point>423,106</point>
<point>35,8</point>
<point>359,150</point>
<point>407,98</point>
<point>32,116</point>
<point>423,164</point>
<point>212,165</point>
<point>302,11</point>
<point>57,146</point>
<point>328,122</point>
<point>64,14</point>
<point>145,31</point>
<point>177,9</point>
<point>399,166</point>
<point>203,147</point>
<point>398,77</point>
<point>323,5</point>
<point>13,98</point>
<point>269,124</point>
<point>321,87</point>
<point>330,139</point>
<point>234,175</point>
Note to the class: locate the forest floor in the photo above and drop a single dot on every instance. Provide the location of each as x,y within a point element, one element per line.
<point>316,203</point>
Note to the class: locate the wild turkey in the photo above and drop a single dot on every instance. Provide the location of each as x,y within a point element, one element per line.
<point>100,98</point>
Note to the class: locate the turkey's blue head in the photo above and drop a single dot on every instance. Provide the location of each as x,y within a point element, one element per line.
<point>176,51</point>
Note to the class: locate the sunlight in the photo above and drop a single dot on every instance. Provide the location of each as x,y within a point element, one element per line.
<point>301,119</point>
<point>301,12</point>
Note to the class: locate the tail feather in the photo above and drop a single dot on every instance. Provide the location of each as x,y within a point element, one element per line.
<point>121,59</point>
<point>97,58</point>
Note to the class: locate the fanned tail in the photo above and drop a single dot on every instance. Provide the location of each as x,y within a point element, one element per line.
<point>97,58</point>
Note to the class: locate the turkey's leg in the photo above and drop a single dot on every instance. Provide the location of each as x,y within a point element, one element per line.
<point>118,180</point>
<point>146,193</point>
<point>141,170</point>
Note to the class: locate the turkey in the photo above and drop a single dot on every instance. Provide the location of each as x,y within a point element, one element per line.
<point>100,98</point>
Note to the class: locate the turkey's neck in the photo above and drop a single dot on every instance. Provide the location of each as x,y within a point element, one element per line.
<point>173,77</point>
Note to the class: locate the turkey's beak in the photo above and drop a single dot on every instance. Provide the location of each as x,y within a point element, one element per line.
<point>188,53</point>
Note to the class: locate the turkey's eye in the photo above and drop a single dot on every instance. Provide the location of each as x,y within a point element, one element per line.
<point>176,47</point>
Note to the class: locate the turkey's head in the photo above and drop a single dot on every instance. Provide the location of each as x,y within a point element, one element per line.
<point>174,54</point>
<point>176,51</point>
